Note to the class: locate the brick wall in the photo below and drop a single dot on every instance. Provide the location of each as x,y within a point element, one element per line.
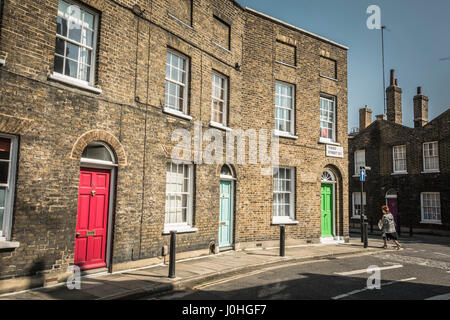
<point>56,121</point>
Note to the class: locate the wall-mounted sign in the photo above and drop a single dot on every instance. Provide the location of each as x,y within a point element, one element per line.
<point>334,151</point>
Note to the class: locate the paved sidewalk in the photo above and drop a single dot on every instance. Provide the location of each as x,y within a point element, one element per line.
<point>131,284</point>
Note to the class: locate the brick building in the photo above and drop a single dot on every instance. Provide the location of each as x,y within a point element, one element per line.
<point>91,94</point>
<point>410,167</point>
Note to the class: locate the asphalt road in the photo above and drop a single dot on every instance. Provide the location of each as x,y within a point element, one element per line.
<point>420,271</point>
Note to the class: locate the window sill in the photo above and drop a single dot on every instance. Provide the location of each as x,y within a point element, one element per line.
<point>287,221</point>
<point>431,171</point>
<point>179,229</point>
<point>286,64</point>
<point>177,113</point>
<point>329,78</point>
<point>399,173</point>
<point>356,218</point>
<point>221,47</point>
<point>9,244</point>
<point>285,135</point>
<point>73,82</point>
<point>179,21</point>
<point>325,141</point>
<point>219,126</point>
<point>356,176</point>
<point>2,62</point>
<point>431,222</point>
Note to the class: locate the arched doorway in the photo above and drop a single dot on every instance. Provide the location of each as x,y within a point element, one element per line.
<point>95,203</point>
<point>226,214</point>
<point>392,203</point>
<point>328,204</point>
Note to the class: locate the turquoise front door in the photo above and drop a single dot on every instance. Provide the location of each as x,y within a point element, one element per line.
<point>226,216</point>
<point>326,196</point>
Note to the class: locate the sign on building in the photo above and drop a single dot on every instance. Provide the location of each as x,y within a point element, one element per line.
<point>335,151</point>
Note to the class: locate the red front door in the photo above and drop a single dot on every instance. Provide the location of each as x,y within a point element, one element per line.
<point>92,221</point>
<point>393,207</point>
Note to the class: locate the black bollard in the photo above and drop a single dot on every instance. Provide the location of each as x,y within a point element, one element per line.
<point>366,236</point>
<point>282,240</point>
<point>172,254</point>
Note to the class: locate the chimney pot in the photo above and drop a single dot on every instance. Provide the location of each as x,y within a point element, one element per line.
<point>392,76</point>
<point>396,82</point>
<point>419,90</point>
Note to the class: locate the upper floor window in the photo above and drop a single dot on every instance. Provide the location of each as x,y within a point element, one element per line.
<point>221,33</point>
<point>399,159</point>
<point>285,53</point>
<point>8,162</point>
<point>219,94</point>
<point>430,207</point>
<point>283,195</point>
<point>179,197</point>
<point>176,94</point>
<point>75,47</point>
<point>181,10</point>
<point>430,156</point>
<point>327,119</point>
<point>284,107</point>
<point>360,160</point>
<point>356,200</point>
<point>328,68</point>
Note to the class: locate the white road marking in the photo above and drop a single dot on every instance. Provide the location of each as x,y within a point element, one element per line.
<point>348,273</point>
<point>442,254</point>
<point>365,289</point>
<point>440,297</point>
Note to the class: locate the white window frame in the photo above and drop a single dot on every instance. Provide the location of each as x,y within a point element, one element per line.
<point>423,220</point>
<point>291,129</point>
<point>187,226</point>
<point>5,232</point>
<point>76,81</point>
<point>184,107</point>
<point>333,100</point>
<point>224,79</point>
<point>394,168</point>
<point>291,218</point>
<point>356,196</point>
<point>436,144</point>
<point>359,164</point>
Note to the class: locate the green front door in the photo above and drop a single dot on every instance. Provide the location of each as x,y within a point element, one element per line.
<point>226,217</point>
<point>327,210</point>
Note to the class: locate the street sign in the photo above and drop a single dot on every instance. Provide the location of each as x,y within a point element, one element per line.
<point>362,175</point>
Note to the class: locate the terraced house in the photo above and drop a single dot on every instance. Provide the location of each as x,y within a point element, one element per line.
<point>410,167</point>
<point>92,92</point>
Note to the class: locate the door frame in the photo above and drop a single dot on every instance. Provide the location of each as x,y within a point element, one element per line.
<point>333,183</point>
<point>233,180</point>
<point>97,164</point>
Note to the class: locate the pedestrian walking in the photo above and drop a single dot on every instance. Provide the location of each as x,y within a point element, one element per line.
<point>388,227</point>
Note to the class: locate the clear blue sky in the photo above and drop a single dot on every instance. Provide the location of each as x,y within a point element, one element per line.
<point>419,37</point>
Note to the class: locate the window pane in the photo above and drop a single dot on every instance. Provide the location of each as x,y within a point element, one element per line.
<point>59,47</point>
<point>5,145</point>
<point>71,68</point>
<point>4,169</point>
<point>72,51</point>
<point>2,211</point>
<point>2,197</point>
<point>59,64</point>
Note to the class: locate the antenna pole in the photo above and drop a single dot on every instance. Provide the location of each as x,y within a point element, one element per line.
<point>384,78</point>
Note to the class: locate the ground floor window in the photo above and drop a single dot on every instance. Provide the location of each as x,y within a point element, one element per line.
<point>431,207</point>
<point>283,194</point>
<point>356,200</point>
<point>8,155</point>
<point>179,187</point>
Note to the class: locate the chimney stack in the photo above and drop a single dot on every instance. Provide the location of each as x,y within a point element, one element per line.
<point>365,118</point>
<point>394,100</point>
<point>380,117</point>
<point>420,109</point>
